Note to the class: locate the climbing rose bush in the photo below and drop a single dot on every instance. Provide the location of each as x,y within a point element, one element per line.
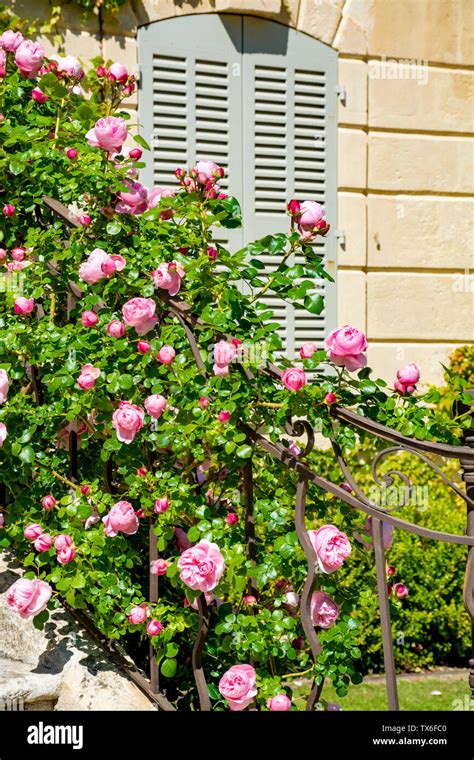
<point>97,370</point>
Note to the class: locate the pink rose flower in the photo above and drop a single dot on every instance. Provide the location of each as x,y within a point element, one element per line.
<point>18,254</point>
<point>345,346</point>
<point>89,318</point>
<point>155,405</point>
<point>201,566</point>
<point>310,214</point>
<point>154,628</point>
<point>133,200</point>
<point>208,172</point>
<point>158,567</point>
<point>116,329</point>
<point>121,518</point>
<point>62,541</point>
<point>38,95</point>
<point>23,305</point>
<point>221,370</point>
<point>70,66</point>
<point>294,378</point>
<point>140,314</point>
<point>324,610</point>
<point>291,599</point>
<point>307,350</point>
<point>117,73</point>
<point>224,352</point>
<point>29,58</point>
<point>48,502</point>
<point>238,686</point>
<point>88,376</point>
<point>100,264</point>
<point>139,614</point>
<point>32,531</point>
<point>127,421</point>
<point>10,40</point>
<point>4,386</point>
<point>166,355</point>
<point>43,542</point>
<point>332,547</point>
<point>109,133</point>
<point>280,703</point>
<point>168,277</point>
<point>3,433</point>
<point>29,597</point>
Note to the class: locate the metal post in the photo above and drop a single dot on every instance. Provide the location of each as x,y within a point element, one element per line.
<point>468,477</point>
<point>153,555</point>
<point>384,607</point>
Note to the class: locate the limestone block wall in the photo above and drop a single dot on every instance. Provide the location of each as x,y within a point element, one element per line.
<point>406,159</point>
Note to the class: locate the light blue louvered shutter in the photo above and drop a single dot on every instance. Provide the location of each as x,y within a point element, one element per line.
<point>290,128</point>
<point>190,105</point>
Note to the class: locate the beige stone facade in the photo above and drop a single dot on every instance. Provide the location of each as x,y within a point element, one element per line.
<point>406,158</point>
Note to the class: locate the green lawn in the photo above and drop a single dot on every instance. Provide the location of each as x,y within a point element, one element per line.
<point>414,694</point>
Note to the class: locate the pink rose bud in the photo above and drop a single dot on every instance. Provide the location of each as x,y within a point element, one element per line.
<point>28,597</point>
<point>154,628</point>
<point>280,703</point>
<point>333,707</point>
<point>161,505</point>
<point>294,207</point>
<point>298,643</point>
<point>345,347</point>
<point>117,73</point>
<point>85,490</point>
<point>3,433</point>
<point>330,398</point>
<point>101,71</point>
<point>136,154</point>
<point>140,513</point>
<point>143,347</point>
<point>23,305</point>
<point>400,590</point>
<point>324,610</point>
<point>89,318</point>
<point>238,686</point>
<point>3,254</point>
<point>307,350</point>
<point>291,599</point>
<point>84,219</point>
<point>204,402</point>
<point>88,376</point>
<point>2,520</point>
<point>38,95</point>
<point>32,531</point>
<point>224,416</point>
<point>48,502</point>
<point>155,405</point>
<point>158,567</point>
<point>212,253</point>
<point>18,254</point>
<point>332,547</point>
<point>294,378</point>
<point>116,329</point>
<point>231,518</point>
<point>391,570</point>
<point>43,543</point>
<point>250,599</point>
<point>166,354</point>
<point>346,487</point>
<point>142,472</point>
<point>282,583</point>
<point>138,614</point>
<point>72,154</point>
<point>8,209</point>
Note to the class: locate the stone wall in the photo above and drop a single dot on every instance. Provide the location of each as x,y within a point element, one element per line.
<point>406,169</point>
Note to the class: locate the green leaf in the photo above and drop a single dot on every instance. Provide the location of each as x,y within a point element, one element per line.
<point>27,455</point>
<point>314,304</point>
<point>169,667</point>
<point>141,141</point>
<point>114,228</point>
<point>244,452</point>
<point>40,619</point>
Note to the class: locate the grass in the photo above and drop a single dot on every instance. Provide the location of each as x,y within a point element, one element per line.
<point>415,693</point>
